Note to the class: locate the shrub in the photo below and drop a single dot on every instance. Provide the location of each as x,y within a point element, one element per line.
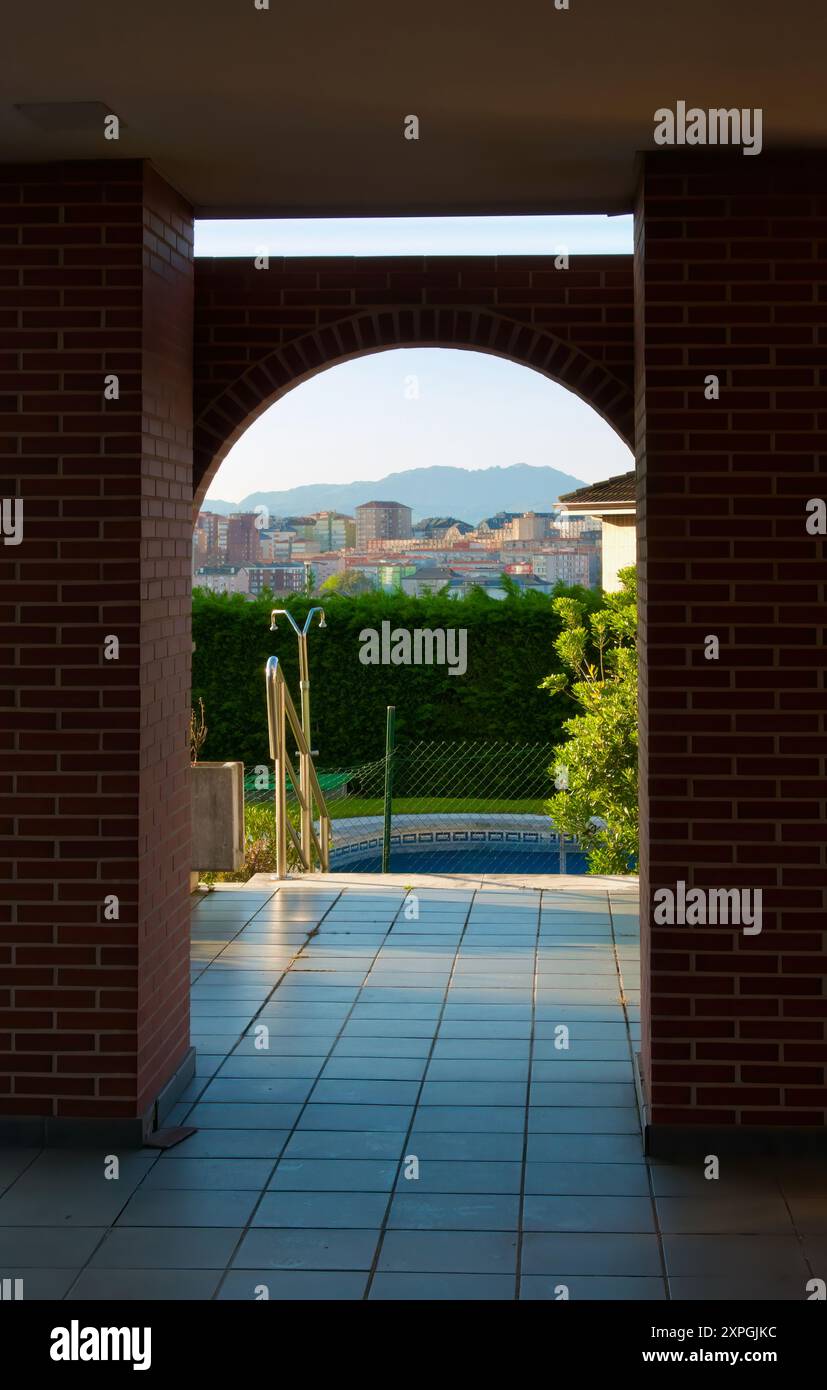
<point>600,757</point>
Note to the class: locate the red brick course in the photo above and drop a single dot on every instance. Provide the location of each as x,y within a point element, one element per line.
<point>96,275</point>
<point>731,270</point>
<point>258,333</point>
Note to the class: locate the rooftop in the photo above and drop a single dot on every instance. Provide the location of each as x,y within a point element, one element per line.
<point>613,494</point>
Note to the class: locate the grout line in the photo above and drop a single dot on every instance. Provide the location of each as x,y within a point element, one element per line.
<point>294,1127</point>
<point>534,987</point>
<point>630,1041</point>
<point>437,1025</point>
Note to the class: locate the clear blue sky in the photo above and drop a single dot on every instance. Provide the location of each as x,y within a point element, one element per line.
<point>408,408</point>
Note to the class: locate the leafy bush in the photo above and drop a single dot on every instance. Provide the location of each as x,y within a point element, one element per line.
<point>510,647</point>
<point>600,758</point>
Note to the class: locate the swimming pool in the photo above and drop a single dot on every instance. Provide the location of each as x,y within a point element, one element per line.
<point>482,859</point>
<point>455,843</point>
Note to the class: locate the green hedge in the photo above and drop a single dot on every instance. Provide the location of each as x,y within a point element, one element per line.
<point>510,647</point>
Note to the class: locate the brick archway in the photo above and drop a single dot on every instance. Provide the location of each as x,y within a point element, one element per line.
<point>260,333</point>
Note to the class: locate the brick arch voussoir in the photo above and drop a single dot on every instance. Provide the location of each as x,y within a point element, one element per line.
<point>224,419</point>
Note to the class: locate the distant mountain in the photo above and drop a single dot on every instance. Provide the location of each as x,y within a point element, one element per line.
<point>469,494</point>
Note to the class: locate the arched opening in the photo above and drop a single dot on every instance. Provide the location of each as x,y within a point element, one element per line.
<point>225,411</point>
<point>488,533</point>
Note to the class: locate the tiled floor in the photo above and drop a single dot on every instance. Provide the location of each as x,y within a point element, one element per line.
<point>411,1091</point>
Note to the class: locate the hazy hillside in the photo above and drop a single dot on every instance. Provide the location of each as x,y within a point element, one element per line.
<point>436,491</point>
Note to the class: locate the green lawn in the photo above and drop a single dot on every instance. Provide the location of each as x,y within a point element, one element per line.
<point>354,806</point>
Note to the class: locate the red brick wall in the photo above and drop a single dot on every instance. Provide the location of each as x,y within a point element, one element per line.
<point>95,278</point>
<point>732,269</point>
<point>260,332</point>
<point>166,640</point>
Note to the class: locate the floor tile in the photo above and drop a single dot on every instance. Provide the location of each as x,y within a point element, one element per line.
<point>266,1088</point>
<point>13,1162</point>
<point>379,1069</point>
<point>229,1115</point>
<point>604,1179</point>
<point>356,1117</point>
<point>229,1143</point>
<point>159,1285</point>
<point>293,1284</point>
<point>602,1119</point>
<point>588,1213</point>
<point>334,1175</point>
<point>442,1287</point>
<point>165,1247</point>
<point>44,1247</point>
<point>187,1207</point>
<point>724,1213</point>
<point>346,1144</point>
<point>42,1284</point>
<point>733,1255</point>
<point>464,1176</point>
<point>809,1213</point>
<point>341,1092</point>
<point>466,1147</point>
<point>589,1253</point>
<point>306,1249</point>
<point>464,1093</point>
<point>455,1252</point>
<point>767,1287</point>
<point>446,1119</point>
<point>425,1211</point>
<point>543,1288</point>
<point>738,1178</point>
<point>209,1174</point>
<point>322,1210</point>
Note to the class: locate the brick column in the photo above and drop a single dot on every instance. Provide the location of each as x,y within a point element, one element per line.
<point>96,285</point>
<point>731,272</point>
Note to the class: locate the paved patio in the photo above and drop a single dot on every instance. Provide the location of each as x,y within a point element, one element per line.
<point>386,1109</point>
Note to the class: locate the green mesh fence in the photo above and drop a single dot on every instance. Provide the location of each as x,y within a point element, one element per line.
<point>475,806</point>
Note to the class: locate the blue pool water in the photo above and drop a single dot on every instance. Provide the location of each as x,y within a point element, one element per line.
<point>473,859</point>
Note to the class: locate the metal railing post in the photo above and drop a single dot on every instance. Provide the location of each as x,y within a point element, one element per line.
<point>281,784</point>
<point>390,741</point>
<point>280,713</point>
<point>304,754</point>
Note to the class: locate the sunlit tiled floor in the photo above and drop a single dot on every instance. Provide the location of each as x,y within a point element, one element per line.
<point>411,1089</point>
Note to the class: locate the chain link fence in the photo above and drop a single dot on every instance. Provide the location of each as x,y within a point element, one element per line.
<point>474,806</point>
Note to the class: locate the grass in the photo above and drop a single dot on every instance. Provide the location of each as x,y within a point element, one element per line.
<point>354,806</point>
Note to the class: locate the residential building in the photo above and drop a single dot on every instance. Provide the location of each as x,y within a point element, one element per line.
<point>222,579</point>
<point>427,579</point>
<point>382,521</point>
<point>243,531</point>
<point>392,575</point>
<point>613,502</point>
<point>280,579</point>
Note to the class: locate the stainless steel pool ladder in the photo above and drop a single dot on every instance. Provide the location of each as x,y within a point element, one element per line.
<point>281,713</point>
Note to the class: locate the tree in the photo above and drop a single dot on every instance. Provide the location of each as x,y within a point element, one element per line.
<point>348,583</point>
<point>595,770</point>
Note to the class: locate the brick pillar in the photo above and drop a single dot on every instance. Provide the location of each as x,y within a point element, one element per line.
<point>731,272</point>
<point>96,283</point>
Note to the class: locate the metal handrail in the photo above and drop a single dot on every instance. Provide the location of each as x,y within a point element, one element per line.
<point>281,712</point>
